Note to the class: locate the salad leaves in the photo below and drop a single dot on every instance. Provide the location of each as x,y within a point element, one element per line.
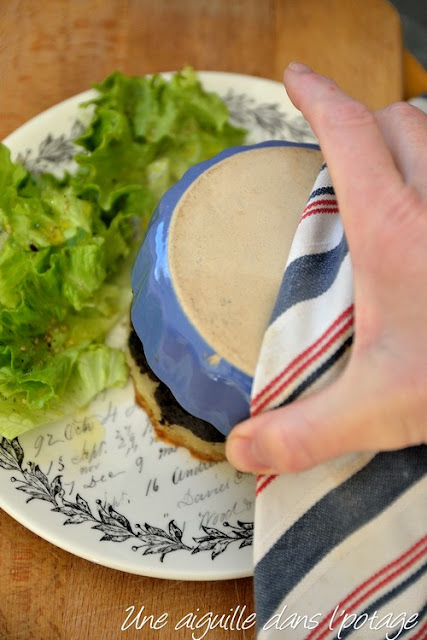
<point>66,244</point>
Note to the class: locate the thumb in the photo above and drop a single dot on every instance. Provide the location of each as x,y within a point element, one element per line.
<point>342,418</point>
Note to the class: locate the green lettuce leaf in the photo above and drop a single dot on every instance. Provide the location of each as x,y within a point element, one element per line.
<point>68,383</point>
<point>66,245</point>
<point>146,133</point>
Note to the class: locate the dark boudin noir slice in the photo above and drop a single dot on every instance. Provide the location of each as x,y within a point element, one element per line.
<point>171,422</point>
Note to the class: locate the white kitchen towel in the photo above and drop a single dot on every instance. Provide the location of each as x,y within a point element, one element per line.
<point>340,550</point>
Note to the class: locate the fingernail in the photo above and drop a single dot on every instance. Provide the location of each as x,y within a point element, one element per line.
<point>242,453</point>
<point>299,67</point>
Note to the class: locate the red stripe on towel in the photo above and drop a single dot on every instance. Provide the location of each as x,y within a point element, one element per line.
<point>396,567</point>
<point>258,398</point>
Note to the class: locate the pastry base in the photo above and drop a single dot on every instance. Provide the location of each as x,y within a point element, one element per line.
<point>173,434</point>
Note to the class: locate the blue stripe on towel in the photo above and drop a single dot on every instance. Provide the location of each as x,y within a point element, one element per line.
<point>315,375</point>
<point>321,191</point>
<point>386,597</point>
<point>331,520</point>
<point>308,277</point>
<point>422,614</point>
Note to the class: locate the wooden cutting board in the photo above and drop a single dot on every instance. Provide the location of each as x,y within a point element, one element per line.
<point>358,43</point>
<point>52,49</point>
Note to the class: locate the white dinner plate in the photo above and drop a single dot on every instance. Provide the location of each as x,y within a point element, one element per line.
<point>98,484</point>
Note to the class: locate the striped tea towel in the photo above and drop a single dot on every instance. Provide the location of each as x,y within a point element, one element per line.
<point>341,549</point>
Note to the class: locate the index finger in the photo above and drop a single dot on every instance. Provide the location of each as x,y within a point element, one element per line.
<point>360,163</point>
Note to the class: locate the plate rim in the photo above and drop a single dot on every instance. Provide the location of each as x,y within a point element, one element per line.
<point>35,523</point>
<point>87,94</point>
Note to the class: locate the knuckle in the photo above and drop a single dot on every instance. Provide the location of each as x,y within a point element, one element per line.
<point>397,111</point>
<point>405,226</point>
<point>298,442</point>
<point>404,204</point>
<point>284,443</point>
<point>349,113</point>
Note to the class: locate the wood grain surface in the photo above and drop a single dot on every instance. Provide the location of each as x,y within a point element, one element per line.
<point>52,49</point>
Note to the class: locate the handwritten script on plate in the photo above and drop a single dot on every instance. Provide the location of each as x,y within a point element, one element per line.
<point>104,467</point>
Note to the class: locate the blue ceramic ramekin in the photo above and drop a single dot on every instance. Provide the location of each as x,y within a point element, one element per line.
<point>216,391</point>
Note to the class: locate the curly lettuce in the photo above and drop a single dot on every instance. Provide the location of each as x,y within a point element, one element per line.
<point>66,244</point>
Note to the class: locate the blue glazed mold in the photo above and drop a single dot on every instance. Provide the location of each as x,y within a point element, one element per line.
<point>216,391</point>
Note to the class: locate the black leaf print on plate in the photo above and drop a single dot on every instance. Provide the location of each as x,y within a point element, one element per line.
<point>114,526</point>
<point>53,153</point>
<point>269,117</point>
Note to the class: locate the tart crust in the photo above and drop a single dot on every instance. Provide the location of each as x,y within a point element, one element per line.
<point>165,419</point>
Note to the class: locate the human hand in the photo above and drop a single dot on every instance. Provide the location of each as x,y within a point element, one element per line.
<point>378,165</point>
